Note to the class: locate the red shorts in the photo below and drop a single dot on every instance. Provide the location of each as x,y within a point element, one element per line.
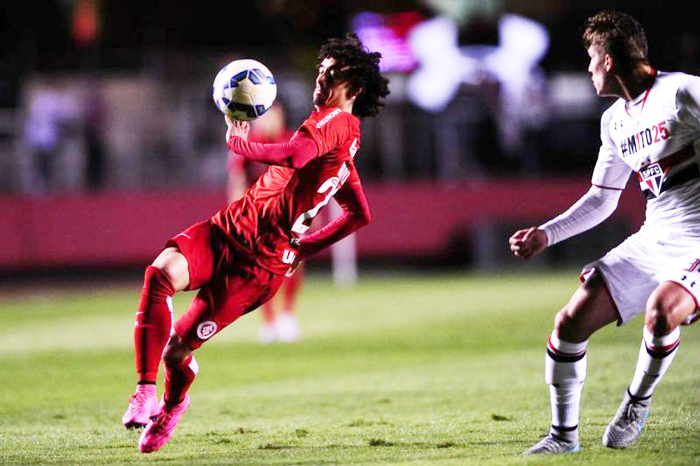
<point>228,286</point>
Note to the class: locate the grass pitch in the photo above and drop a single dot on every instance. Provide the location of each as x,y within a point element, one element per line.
<point>445,369</point>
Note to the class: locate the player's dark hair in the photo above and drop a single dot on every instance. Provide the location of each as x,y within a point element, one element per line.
<point>620,36</point>
<point>359,67</point>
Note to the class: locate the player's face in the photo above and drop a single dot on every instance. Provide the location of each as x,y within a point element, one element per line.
<point>602,79</point>
<point>328,91</point>
<point>322,90</point>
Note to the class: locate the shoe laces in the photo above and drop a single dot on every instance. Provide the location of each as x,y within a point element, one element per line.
<point>137,400</point>
<point>635,411</point>
<point>163,419</point>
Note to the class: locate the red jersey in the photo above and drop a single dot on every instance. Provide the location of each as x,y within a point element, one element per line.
<point>265,225</point>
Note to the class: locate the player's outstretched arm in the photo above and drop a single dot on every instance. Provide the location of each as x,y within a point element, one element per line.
<point>528,242</point>
<point>356,214</point>
<point>593,207</point>
<point>295,153</point>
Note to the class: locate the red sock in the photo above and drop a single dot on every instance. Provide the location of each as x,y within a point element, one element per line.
<point>178,379</point>
<point>153,322</point>
<point>291,289</point>
<point>268,312</point>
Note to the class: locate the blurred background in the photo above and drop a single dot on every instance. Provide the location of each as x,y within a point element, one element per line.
<point>110,142</point>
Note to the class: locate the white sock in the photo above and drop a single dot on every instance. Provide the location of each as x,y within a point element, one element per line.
<point>655,357</point>
<point>565,372</point>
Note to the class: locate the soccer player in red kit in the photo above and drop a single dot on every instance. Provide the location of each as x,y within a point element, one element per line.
<point>279,320</point>
<point>238,258</point>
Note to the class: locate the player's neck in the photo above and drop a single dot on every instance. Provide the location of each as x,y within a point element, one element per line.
<point>637,82</point>
<point>344,104</point>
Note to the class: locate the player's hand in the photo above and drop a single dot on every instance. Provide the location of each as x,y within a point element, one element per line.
<point>528,242</point>
<point>236,128</point>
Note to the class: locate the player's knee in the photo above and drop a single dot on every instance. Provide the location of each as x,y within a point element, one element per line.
<point>176,351</point>
<point>153,276</point>
<point>172,265</point>
<point>565,321</point>
<point>658,314</point>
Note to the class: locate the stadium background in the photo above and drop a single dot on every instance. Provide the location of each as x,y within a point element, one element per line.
<point>435,354</point>
<point>500,129</point>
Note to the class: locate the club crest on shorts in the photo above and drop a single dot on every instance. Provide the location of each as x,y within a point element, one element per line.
<point>206,329</point>
<point>650,178</point>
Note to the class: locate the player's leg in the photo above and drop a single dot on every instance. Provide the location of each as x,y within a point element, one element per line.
<point>167,275</point>
<point>268,332</point>
<point>667,308</point>
<point>180,371</point>
<point>590,308</point>
<point>216,305</point>
<point>287,324</point>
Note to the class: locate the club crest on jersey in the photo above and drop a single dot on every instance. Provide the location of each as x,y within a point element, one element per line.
<point>650,178</point>
<point>206,329</point>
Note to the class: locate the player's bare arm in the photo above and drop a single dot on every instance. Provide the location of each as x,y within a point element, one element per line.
<point>528,242</point>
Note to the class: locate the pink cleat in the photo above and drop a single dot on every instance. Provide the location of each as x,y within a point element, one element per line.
<point>143,405</point>
<point>158,431</point>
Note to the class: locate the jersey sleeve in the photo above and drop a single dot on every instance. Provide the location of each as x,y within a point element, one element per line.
<point>610,170</point>
<point>688,101</point>
<point>294,153</point>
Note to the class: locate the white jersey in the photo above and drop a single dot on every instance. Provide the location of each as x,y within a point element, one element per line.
<point>657,135</point>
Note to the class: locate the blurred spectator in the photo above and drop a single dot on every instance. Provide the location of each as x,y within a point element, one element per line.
<point>279,321</point>
<point>94,145</point>
<point>52,115</point>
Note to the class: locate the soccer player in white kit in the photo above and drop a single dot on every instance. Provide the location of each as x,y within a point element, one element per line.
<point>653,129</point>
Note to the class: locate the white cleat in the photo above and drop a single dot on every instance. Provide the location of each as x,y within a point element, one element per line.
<point>625,427</point>
<point>552,445</point>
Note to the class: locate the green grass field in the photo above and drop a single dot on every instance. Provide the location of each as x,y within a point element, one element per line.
<point>443,369</point>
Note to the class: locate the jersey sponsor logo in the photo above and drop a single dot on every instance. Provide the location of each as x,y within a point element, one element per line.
<point>643,139</point>
<point>650,178</point>
<point>288,256</point>
<point>206,329</point>
<point>328,118</point>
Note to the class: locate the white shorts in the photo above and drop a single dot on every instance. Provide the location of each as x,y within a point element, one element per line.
<point>633,269</point>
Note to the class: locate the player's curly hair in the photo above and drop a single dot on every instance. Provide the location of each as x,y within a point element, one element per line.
<point>360,68</point>
<point>620,36</point>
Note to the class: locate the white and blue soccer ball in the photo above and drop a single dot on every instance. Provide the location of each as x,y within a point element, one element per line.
<point>244,89</point>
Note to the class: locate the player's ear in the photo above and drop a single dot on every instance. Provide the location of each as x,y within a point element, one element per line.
<point>608,62</point>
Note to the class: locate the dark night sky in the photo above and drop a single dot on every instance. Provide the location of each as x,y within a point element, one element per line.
<point>40,37</point>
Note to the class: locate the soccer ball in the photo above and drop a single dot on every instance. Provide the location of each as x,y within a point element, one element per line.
<point>244,89</point>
